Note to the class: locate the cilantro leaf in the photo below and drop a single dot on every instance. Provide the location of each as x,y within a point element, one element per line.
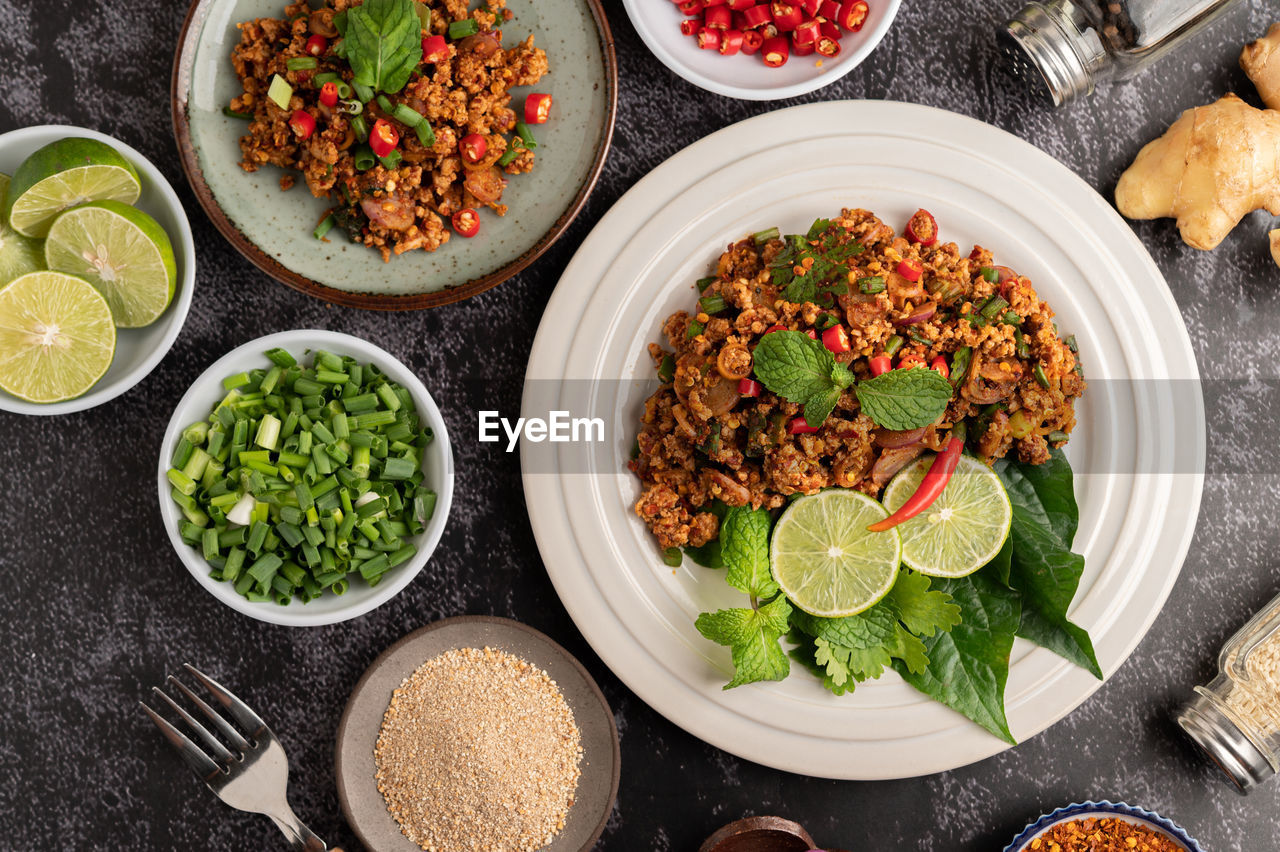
<point>922,610</point>
<point>903,399</point>
<point>383,43</point>
<point>744,547</point>
<point>801,289</point>
<point>752,637</point>
<point>793,365</point>
<point>804,652</point>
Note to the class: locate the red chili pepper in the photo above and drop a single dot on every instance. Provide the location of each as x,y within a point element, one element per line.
<point>922,228</point>
<point>1005,278</point>
<point>775,51</point>
<point>741,5</point>
<point>316,45</point>
<point>853,14</point>
<point>329,94</point>
<point>466,222</point>
<point>829,9</point>
<point>691,8</point>
<point>730,42</point>
<point>909,360</point>
<point>537,108</point>
<point>384,138</point>
<point>709,39</point>
<point>813,335</point>
<point>758,15</point>
<point>750,387</point>
<point>836,339</point>
<point>771,329</point>
<point>933,484</point>
<point>805,33</point>
<point>910,269</point>
<point>302,123</point>
<point>786,15</point>
<point>751,41</point>
<point>805,49</point>
<point>976,253</point>
<point>769,30</point>
<point>800,426</point>
<point>689,27</point>
<point>434,49</point>
<point>473,147</point>
<point>880,365</point>
<point>710,3</point>
<point>811,7</point>
<point>830,30</point>
<point>828,47</point>
<point>718,18</point>
<point>939,365</point>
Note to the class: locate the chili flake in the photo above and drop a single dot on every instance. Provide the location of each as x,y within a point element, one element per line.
<point>1103,835</point>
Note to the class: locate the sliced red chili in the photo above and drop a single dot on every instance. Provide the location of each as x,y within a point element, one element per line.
<point>1004,280</point>
<point>939,365</point>
<point>786,16</point>
<point>466,222</point>
<point>757,15</point>
<point>828,47</point>
<point>813,335</point>
<point>922,228</point>
<point>434,49</point>
<point>730,42</point>
<point>830,9</point>
<point>933,484</point>
<point>836,339</point>
<point>750,387</point>
<point>317,45</point>
<point>775,51</point>
<point>805,33</point>
<point>830,30</point>
<point>537,108</point>
<point>853,14</point>
<point>691,7</point>
<point>383,138</point>
<point>811,7</point>
<point>769,30</point>
<point>718,18</point>
<point>910,269</point>
<point>805,49</point>
<point>473,147</point>
<point>800,426</point>
<point>329,94</point>
<point>771,329</point>
<point>751,41</point>
<point>302,124</point>
<point>741,5</point>
<point>880,364</point>
<point>689,27</point>
<point>709,38</point>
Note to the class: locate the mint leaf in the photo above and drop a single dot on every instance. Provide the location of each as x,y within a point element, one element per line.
<point>968,667</point>
<point>744,546</point>
<point>820,406</point>
<point>752,636</point>
<point>1042,566</point>
<point>793,365</point>
<point>904,399</point>
<point>383,43</point>
<point>922,610</point>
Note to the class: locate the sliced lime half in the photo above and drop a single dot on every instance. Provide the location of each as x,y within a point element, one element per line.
<point>65,174</point>
<point>18,254</point>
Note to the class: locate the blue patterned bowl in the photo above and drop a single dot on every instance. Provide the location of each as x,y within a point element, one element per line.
<point>1128,813</point>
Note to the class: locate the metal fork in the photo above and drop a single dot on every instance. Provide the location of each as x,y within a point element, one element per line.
<point>253,774</point>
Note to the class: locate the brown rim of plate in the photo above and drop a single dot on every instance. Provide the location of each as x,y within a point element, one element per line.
<point>343,797</point>
<point>179,90</point>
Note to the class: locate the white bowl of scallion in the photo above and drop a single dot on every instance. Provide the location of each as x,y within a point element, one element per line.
<point>305,478</point>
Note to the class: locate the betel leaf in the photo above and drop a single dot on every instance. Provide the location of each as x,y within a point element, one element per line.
<point>744,546</point>
<point>793,365</point>
<point>1042,566</point>
<point>904,399</point>
<point>383,40</point>
<point>752,636</point>
<point>969,665</point>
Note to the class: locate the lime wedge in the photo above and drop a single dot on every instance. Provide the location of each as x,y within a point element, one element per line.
<point>121,251</point>
<point>824,558</point>
<point>56,337</point>
<point>18,254</point>
<point>64,174</point>
<point>964,528</point>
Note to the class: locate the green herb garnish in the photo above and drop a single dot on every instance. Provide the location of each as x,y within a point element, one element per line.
<point>383,41</point>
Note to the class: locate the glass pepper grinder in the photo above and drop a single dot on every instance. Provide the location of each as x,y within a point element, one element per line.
<point>1063,48</point>
<point>1235,719</point>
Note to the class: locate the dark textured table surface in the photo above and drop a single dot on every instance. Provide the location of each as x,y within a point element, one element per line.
<point>96,608</point>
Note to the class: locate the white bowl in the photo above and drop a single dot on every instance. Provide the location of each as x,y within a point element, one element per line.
<point>437,466</point>
<point>746,77</point>
<point>138,350</point>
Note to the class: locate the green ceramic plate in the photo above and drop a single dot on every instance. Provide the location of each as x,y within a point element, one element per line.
<point>273,228</point>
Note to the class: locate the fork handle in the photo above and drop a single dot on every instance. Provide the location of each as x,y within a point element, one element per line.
<point>301,838</point>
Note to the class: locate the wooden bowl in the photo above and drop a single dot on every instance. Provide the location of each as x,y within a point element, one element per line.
<point>759,834</point>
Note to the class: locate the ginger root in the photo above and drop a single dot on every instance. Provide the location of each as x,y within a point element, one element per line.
<point>1213,166</point>
<point>1261,61</point>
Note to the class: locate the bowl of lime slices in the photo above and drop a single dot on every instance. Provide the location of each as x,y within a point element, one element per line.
<point>97,269</point>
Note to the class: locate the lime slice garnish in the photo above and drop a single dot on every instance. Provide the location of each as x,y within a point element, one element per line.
<point>65,174</point>
<point>56,337</point>
<point>965,527</point>
<point>824,558</point>
<point>18,254</point>
<point>121,251</point>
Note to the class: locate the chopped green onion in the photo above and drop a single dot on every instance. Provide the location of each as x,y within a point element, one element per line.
<point>960,365</point>
<point>300,63</point>
<point>406,114</point>
<point>871,284</point>
<point>763,237</point>
<point>672,557</point>
<point>989,273</point>
<point>360,127</point>
<point>893,344</point>
<point>426,135</point>
<point>323,228</point>
<point>1071,344</point>
<point>231,113</point>
<point>1041,379</point>
<point>508,156</point>
<point>281,358</point>
<point>993,306</point>
<point>712,304</point>
<point>526,135</point>
<point>363,92</point>
<point>667,369</point>
<point>324,77</point>
<point>280,92</point>
<point>1057,436</point>
<point>391,161</point>
<point>384,104</point>
<point>695,328</point>
<point>1012,318</point>
<point>363,158</point>
<point>462,29</point>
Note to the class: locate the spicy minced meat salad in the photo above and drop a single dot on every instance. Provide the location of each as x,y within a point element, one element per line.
<point>397,110</point>
<point>880,304</point>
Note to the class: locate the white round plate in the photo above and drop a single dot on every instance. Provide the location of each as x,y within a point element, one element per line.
<point>1138,449</point>
<point>138,350</point>
<point>746,77</point>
